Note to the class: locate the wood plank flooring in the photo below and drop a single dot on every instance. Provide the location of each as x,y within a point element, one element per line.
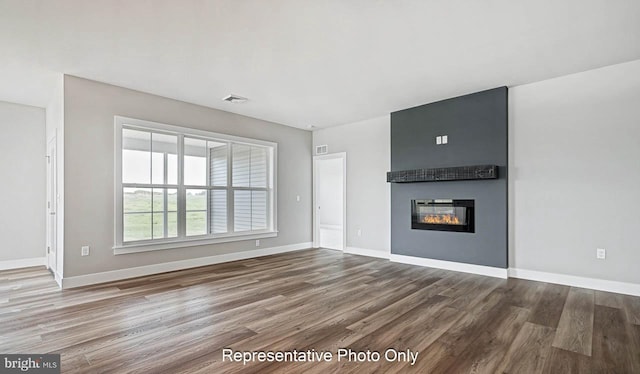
<point>180,322</point>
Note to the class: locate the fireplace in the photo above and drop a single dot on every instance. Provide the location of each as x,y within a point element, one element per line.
<point>443,215</point>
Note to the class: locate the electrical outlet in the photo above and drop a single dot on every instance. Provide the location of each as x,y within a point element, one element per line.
<point>601,253</point>
<point>359,232</point>
<point>257,243</point>
<point>85,250</point>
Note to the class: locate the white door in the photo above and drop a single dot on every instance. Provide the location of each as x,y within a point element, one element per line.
<point>51,205</point>
<point>329,194</point>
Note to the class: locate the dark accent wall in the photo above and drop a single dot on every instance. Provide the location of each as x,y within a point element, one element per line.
<point>476,125</point>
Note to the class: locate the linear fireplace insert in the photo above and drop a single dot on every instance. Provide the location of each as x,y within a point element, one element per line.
<point>443,215</point>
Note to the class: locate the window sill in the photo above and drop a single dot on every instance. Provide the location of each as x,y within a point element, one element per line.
<point>182,243</point>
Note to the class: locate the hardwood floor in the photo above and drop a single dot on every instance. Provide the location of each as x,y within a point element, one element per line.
<point>180,322</point>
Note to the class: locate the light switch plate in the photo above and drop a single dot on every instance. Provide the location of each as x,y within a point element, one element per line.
<point>438,139</point>
<point>601,253</point>
<point>85,250</point>
<point>445,139</point>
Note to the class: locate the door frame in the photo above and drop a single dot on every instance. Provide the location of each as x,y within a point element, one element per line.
<point>52,206</point>
<point>316,225</point>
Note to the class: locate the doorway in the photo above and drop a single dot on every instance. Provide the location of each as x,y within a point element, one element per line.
<point>51,206</point>
<point>329,201</point>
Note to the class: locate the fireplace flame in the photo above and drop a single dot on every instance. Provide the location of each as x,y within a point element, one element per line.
<point>441,219</point>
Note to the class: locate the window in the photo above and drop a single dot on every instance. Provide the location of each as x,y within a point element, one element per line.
<point>177,186</point>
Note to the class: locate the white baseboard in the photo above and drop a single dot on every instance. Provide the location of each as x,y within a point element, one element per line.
<point>115,275</point>
<point>23,263</point>
<point>367,252</point>
<point>575,281</point>
<point>449,265</point>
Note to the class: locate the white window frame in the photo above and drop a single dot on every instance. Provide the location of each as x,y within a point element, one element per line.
<point>182,240</point>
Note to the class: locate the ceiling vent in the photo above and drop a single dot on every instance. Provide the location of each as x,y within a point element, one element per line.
<point>235,99</point>
<point>322,149</point>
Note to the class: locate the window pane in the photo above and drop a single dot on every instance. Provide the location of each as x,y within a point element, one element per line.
<point>172,213</point>
<point>157,168</point>
<point>241,167</point>
<point>172,200</point>
<point>136,156</point>
<point>197,200</point>
<point>258,167</point>
<point>163,144</point>
<point>218,211</point>
<point>196,223</point>
<point>136,200</point>
<point>172,169</point>
<point>218,161</point>
<point>137,226</point>
<point>158,205</point>
<point>158,225</point>
<point>196,206</point>
<point>195,162</point>
<point>241,211</point>
<point>172,228</point>
<point>158,200</point>
<point>258,210</point>
<point>249,167</point>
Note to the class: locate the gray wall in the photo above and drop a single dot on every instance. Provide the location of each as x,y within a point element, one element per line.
<point>22,182</point>
<point>476,125</point>
<point>575,176</point>
<point>367,145</point>
<point>89,108</point>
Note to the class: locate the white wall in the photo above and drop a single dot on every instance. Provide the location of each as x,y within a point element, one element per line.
<point>368,147</point>
<point>22,182</point>
<point>575,174</point>
<point>89,110</point>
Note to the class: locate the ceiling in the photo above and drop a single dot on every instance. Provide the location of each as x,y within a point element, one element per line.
<point>304,62</point>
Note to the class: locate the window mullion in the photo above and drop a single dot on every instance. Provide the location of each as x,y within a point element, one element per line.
<point>208,184</point>
<point>230,203</point>
<point>250,191</point>
<point>267,183</point>
<point>138,185</point>
<point>251,188</point>
<point>151,178</point>
<point>182,215</point>
<point>165,212</point>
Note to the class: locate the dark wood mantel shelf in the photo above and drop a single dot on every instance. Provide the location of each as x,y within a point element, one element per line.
<point>444,174</point>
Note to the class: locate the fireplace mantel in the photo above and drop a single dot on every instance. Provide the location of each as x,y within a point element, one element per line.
<point>457,173</point>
